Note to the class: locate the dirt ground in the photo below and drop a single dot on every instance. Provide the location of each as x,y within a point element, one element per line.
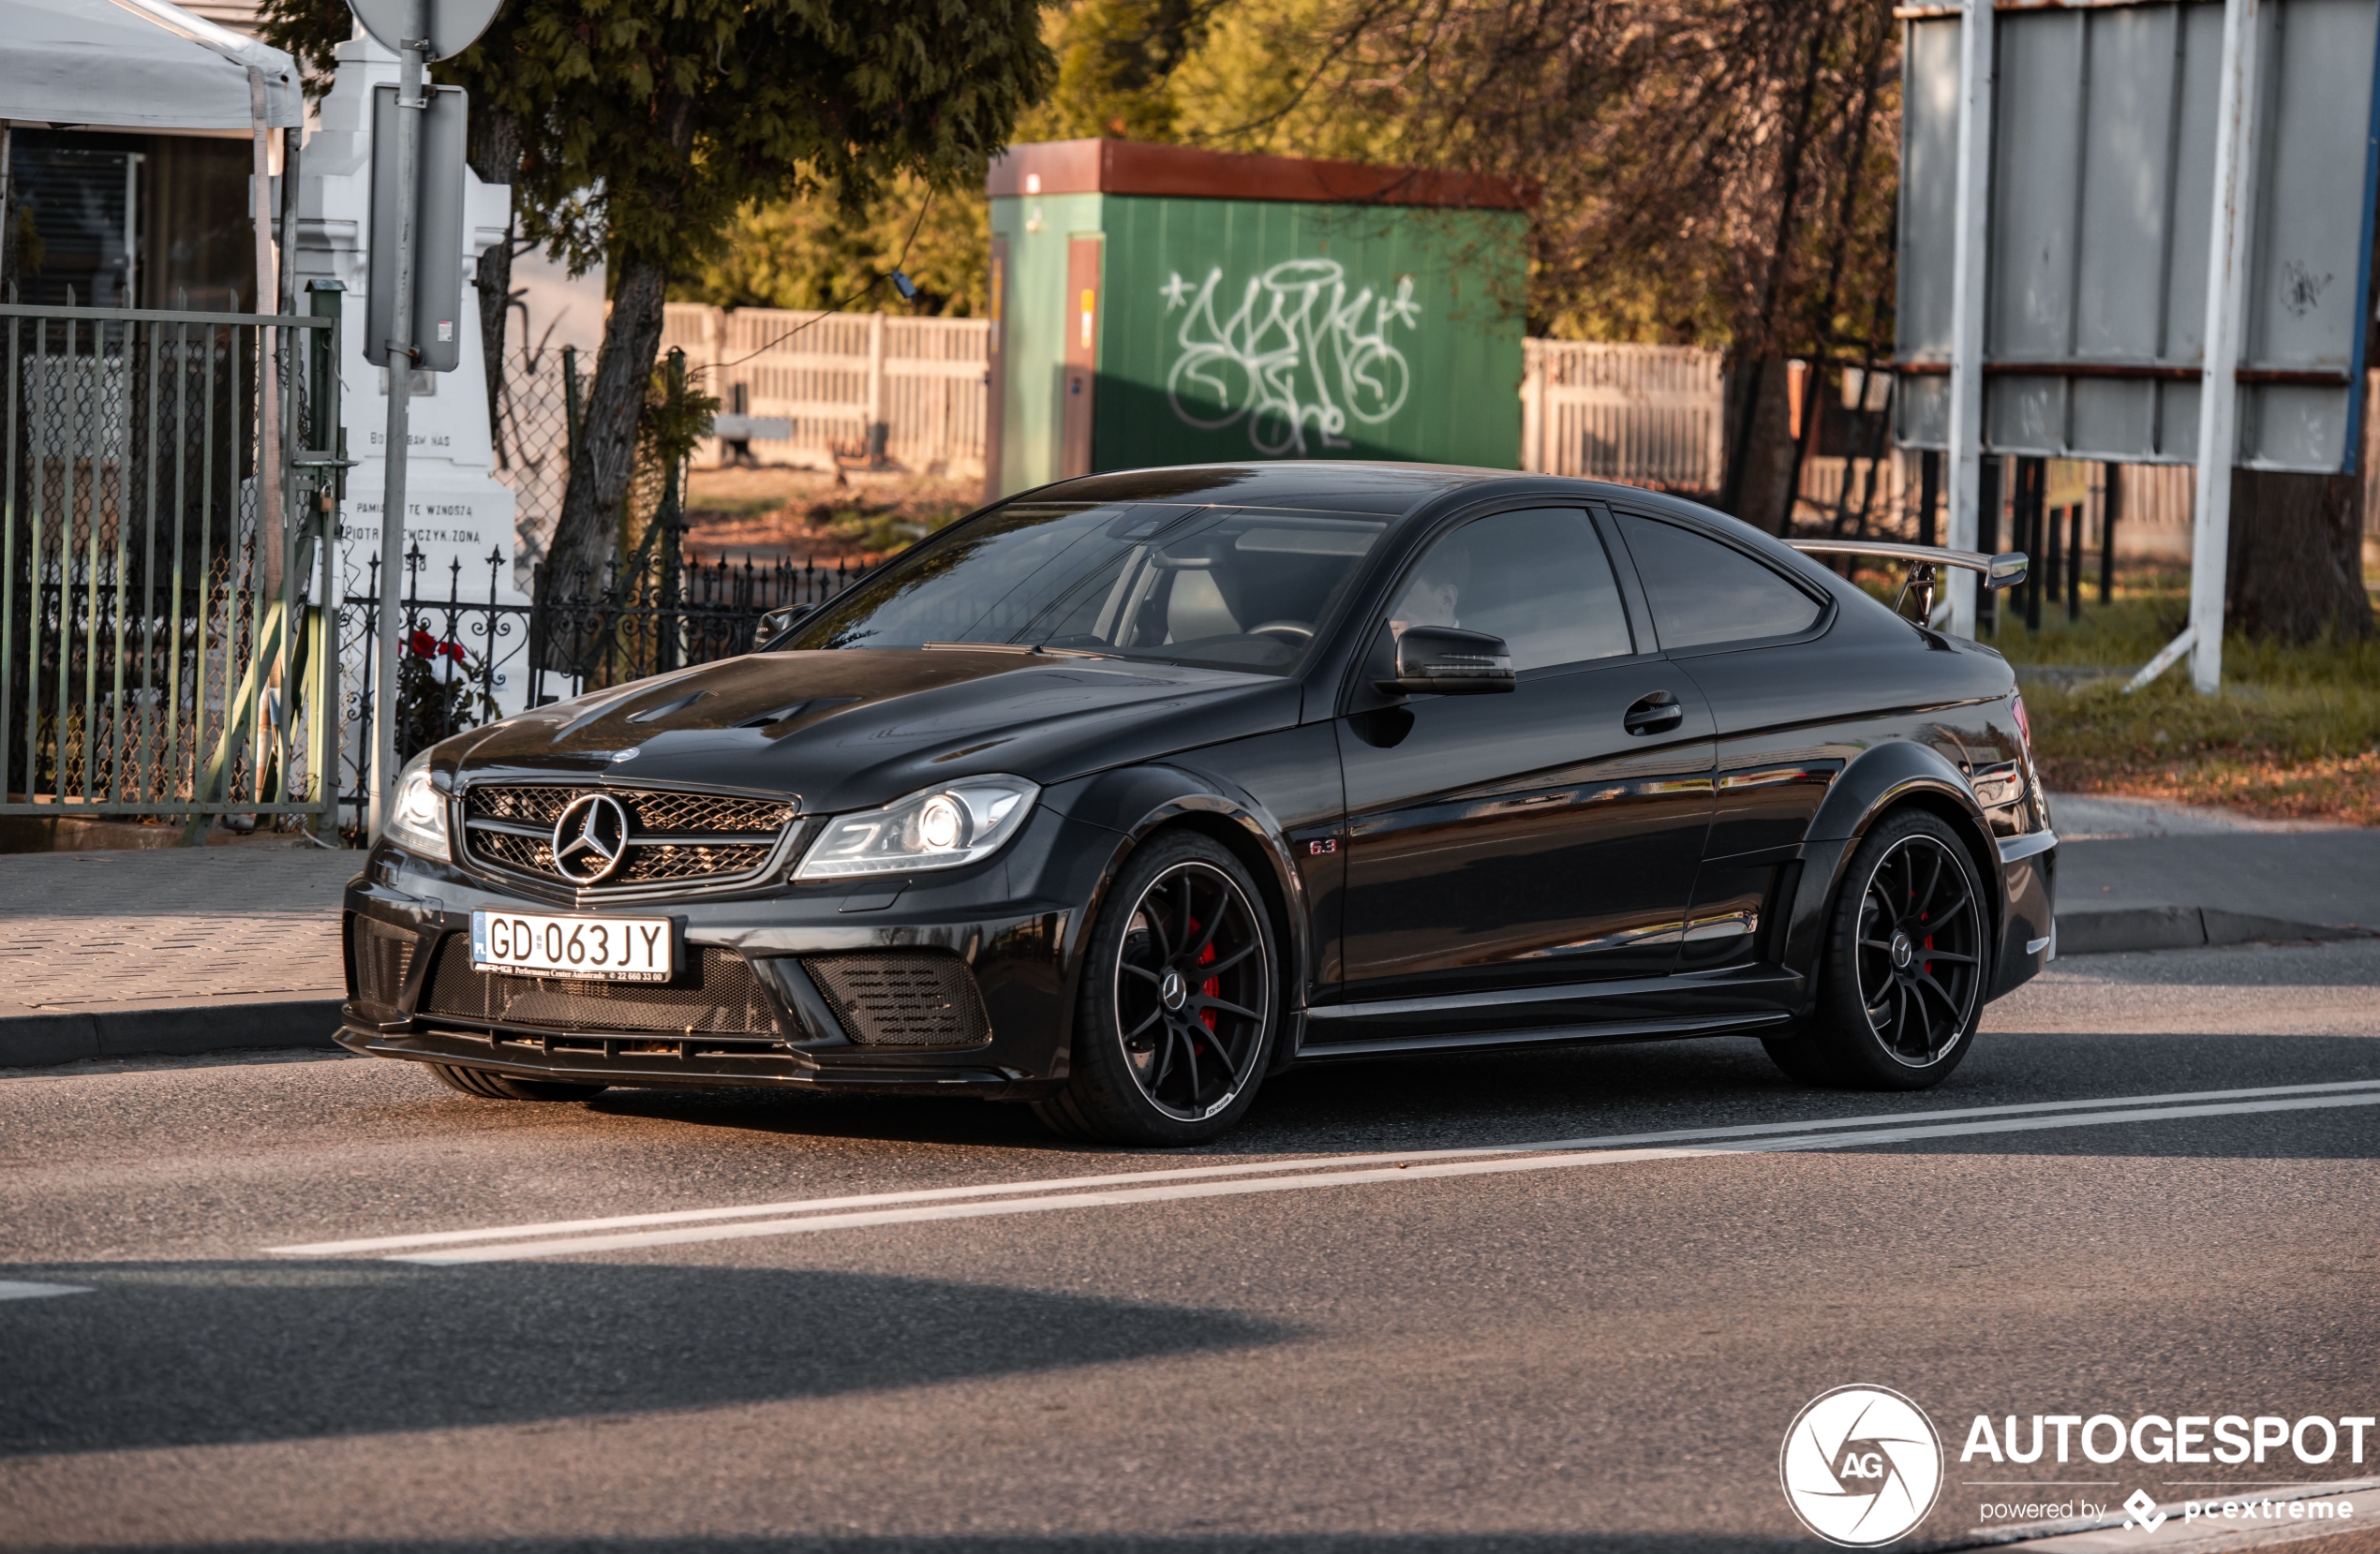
<point>804,514</point>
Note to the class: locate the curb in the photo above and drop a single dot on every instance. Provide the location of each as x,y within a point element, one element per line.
<point>72,1036</point>
<point>2099,933</point>
<point>42,1041</point>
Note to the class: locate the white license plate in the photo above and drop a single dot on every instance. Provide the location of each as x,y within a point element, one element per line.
<point>612,949</point>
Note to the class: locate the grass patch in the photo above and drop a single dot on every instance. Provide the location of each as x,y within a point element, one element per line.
<point>2294,733</point>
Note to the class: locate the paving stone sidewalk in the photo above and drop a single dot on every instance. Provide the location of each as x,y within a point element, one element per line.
<point>193,926</point>
<point>187,950</point>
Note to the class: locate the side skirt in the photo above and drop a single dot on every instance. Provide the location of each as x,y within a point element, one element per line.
<point>1577,1035</point>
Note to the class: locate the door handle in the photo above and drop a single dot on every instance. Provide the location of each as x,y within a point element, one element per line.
<point>1656,712</point>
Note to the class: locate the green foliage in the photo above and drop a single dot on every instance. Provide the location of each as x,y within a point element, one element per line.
<point>1117,60</point>
<point>677,415</point>
<point>810,253</point>
<point>647,126</point>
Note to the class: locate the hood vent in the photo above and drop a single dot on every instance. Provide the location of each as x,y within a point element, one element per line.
<point>670,837</point>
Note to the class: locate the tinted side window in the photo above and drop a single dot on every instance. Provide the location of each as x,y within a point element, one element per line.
<point>1705,592</point>
<point>1538,579</point>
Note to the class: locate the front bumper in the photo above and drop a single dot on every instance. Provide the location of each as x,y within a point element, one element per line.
<point>1012,956</point>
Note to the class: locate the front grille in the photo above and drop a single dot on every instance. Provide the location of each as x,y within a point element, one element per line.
<point>378,958</point>
<point>716,995</point>
<point>675,861</point>
<point>712,837</point>
<point>902,1001</point>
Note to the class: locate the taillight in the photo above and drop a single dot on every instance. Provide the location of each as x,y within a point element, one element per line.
<point>2024,724</point>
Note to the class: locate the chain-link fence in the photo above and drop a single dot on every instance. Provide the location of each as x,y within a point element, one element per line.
<point>535,427</point>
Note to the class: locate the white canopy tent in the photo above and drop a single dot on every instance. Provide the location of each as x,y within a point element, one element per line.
<point>149,64</point>
<point>145,65</point>
<point>137,64</point>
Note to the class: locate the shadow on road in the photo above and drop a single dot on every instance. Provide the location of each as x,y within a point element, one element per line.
<point>190,1353</point>
<point>1507,1097</point>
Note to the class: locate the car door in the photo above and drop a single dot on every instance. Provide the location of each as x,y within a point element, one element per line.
<point>1540,836</point>
<point>1753,640</point>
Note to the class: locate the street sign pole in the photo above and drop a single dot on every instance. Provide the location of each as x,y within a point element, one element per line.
<point>411,99</point>
<point>1976,50</point>
<point>2228,244</point>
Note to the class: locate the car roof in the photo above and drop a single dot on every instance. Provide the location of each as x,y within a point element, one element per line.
<point>1386,489</point>
<point>1375,488</point>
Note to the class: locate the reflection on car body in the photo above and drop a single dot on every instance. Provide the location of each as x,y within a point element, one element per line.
<point>1119,796</point>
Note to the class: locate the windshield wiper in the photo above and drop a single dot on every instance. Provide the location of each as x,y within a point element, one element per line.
<point>1018,647</point>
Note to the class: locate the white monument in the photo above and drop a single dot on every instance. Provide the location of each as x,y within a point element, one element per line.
<point>456,511</point>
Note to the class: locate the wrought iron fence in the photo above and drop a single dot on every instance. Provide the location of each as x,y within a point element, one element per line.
<point>465,660</point>
<point>160,545</point>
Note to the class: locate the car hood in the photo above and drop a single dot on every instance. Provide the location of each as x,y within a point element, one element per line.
<point>855,728</point>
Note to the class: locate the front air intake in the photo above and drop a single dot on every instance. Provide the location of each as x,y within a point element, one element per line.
<point>716,995</point>
<point>920,999</point>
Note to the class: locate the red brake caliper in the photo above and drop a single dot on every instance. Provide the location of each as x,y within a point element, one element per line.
<point>1212,987</point>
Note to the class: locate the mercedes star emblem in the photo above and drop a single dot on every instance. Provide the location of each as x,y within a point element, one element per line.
<point>589,838</point>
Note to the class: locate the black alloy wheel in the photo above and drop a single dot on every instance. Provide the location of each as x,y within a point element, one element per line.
<point>1907,960</point>
<point>1177,1013</point>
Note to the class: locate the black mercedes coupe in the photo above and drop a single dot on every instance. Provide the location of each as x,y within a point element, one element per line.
<point>1120,795</point>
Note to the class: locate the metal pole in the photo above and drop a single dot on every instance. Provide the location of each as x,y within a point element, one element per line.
<point>2227,254</point>
<point>268,299</point>
<point>1972,235</point>
<point>1929,493</point>
<point>2111,507</point>
<point>411,99</point>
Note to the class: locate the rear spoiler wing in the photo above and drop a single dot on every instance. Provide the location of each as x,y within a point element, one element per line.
<point>2005,570</point>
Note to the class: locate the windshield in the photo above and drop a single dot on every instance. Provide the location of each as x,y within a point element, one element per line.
<point>1221,587</point>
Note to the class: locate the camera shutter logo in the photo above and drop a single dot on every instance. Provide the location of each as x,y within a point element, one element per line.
<point>589,838</point>
<point>1861,1465</point>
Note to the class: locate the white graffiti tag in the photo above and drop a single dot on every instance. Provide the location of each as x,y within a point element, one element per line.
<point>1298,353</point>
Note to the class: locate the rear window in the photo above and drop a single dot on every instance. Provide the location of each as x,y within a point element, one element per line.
<point>1704,592</point>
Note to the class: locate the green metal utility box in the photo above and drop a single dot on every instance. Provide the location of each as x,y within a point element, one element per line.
<point>1157,305</point>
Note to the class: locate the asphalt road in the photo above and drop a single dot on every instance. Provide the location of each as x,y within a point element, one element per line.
<point>1595,1347</point>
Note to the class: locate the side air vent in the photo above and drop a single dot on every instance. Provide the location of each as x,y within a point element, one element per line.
<point>377,958</point>
<point>918,999</point>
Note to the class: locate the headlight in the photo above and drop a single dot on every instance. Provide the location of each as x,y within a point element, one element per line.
<point>937,828</point>
<point>417,815</point>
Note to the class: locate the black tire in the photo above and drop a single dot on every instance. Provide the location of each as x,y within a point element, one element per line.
<point>483,1085</point>
<point>1160,1058</point>
<point>1907,960</point>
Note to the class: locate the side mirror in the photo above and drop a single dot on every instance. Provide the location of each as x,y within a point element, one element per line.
<point>1449,662</point>
<point>2008,568</point>
<point>775,622</point>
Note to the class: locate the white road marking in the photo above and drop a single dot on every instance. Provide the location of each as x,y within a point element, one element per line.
<point>14,1290</point>
<point>1410,1172</point>
<point>1401,1157</point>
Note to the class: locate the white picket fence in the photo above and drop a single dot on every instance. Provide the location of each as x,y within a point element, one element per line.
<point>1649,415</point>
<point>829,377</point>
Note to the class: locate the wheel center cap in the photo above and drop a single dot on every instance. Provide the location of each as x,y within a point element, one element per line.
<point>1173,992</point>
<point>1903,951</point>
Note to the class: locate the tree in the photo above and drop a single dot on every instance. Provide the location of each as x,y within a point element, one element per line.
<point>804,253</point>
<point>1716,173</point>
<point>645,126</point>
<point>2296,567</point>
